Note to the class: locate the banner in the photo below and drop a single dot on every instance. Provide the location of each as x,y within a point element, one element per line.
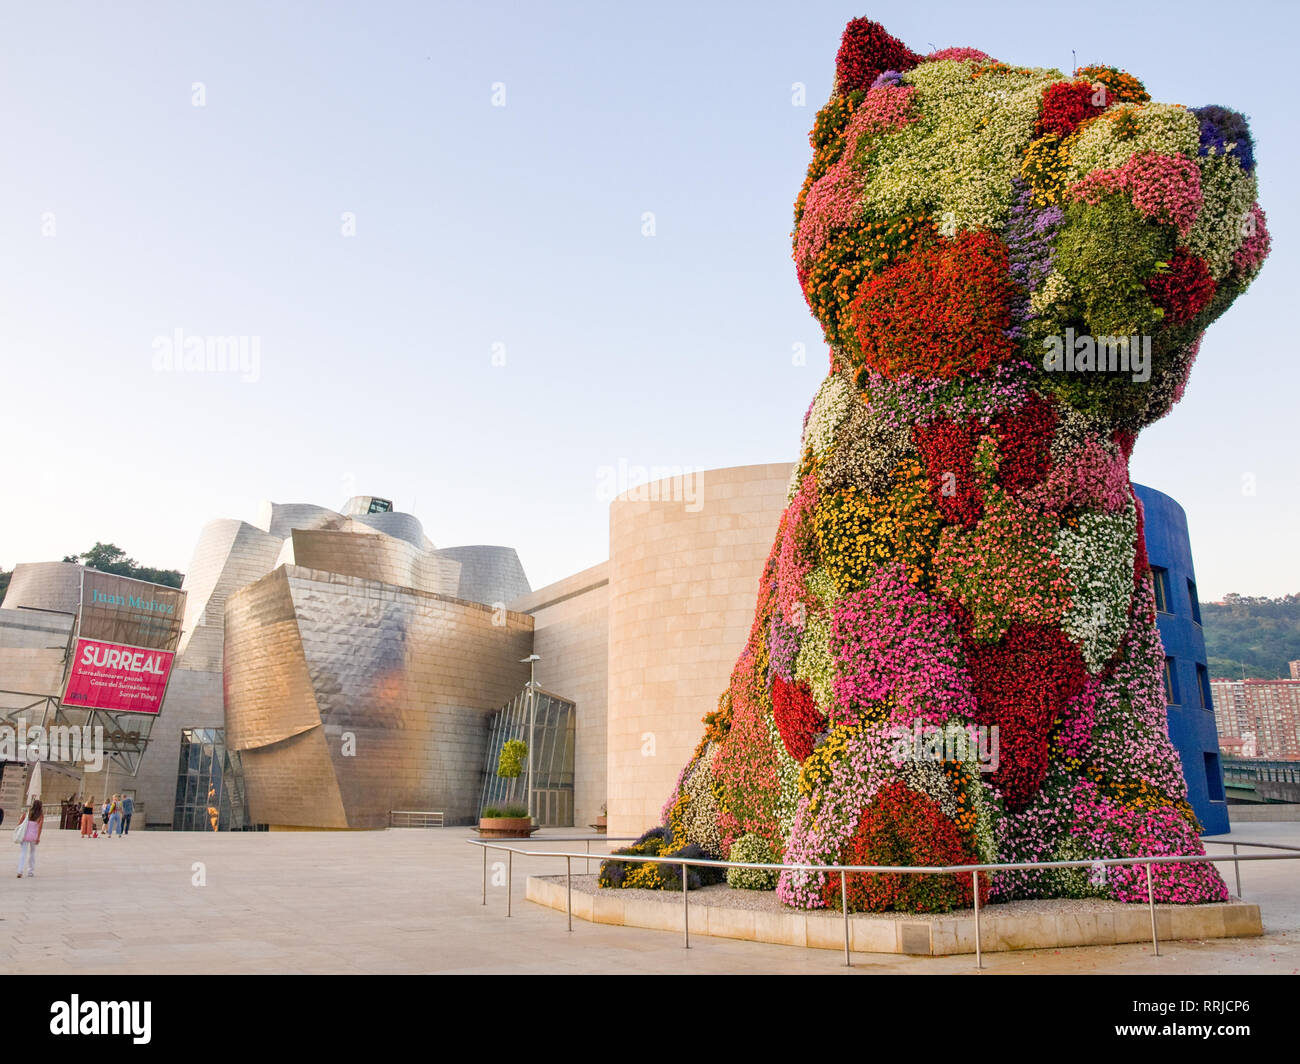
<point>116,676</point>
<point>128,612</point>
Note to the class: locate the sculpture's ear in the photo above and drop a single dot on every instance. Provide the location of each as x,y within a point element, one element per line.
<point>867,50</point>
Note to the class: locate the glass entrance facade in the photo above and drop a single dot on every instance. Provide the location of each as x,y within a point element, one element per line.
<point>553,758</point>
<point>209,784</point>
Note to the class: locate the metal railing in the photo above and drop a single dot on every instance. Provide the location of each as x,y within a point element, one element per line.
<point>414,818</point>
<point>1292,854</point>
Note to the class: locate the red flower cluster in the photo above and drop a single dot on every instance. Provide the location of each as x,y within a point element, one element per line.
<point>1184,290</point>
<point>948,449</point>
<point>1066,106</point>
<point>867,50</point>
<point>902,827</point>
<point>1024,436</point>
<point>1022,683</point>
<point>797,717</point>
<point>941,312</point>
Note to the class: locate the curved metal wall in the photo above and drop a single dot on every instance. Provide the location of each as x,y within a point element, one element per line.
<point>348,698</point>
<point>1191,716</point>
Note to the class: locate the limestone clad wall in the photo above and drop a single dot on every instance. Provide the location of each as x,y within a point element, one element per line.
<point>571,635</point>
<point>685,559</point>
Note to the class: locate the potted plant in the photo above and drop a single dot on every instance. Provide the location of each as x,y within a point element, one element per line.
<point>512,822</point>
<point>508,822</point>
<point>602,822</point>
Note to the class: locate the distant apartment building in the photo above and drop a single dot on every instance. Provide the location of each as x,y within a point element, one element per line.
<point>1259,718</point>
<point>1295,669</point>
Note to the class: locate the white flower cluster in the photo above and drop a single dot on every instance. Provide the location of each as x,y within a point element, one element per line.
<point>787,774</point>
<point>870,448</point>
<point>1228,193</point>
<point>1099,558</point>
<point>958,160</point>
<point>1165,128</point>
<point>702,810</point>
<point>834,400</point>
<point>814,664</point>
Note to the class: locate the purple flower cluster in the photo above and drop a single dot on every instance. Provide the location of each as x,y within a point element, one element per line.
<point>1028,234</point>
<point>782,646</point>
<point>910,401</point>
<point>1221,127</point>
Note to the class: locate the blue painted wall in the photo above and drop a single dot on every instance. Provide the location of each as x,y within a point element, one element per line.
<point>1191,713</point>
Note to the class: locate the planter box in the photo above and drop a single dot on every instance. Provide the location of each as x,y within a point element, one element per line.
<point>505,827</point>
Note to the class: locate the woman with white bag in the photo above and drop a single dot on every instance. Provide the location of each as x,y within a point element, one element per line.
<point>28,834</point>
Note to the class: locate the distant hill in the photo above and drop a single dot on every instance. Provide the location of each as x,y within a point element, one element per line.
<point>1261,634</point>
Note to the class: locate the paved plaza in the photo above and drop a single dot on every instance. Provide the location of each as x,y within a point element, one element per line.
<point>408,901</point>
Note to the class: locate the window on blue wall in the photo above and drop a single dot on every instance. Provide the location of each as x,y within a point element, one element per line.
<point>1213,781</point>
<point>1171,683</point>
<point>1196,606</point>
<point>1203,682</point>
<point>1160,577</point>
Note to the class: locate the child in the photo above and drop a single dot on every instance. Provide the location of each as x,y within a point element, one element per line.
<point>31,837</point>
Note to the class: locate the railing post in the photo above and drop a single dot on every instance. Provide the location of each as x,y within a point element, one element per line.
<point>586,868</point>
<point>1237,868</point>
<point>1151,902</point>
<point>510,878</point>
<point>979,958</point>
<point>485,850</point>
<point>844,906</point>
<point>568,875</point>
<point>686,908</point>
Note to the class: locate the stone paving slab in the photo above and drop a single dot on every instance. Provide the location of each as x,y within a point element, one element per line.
<point>408,901</point>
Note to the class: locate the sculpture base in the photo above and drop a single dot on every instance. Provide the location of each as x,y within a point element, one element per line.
<point>755,916</point>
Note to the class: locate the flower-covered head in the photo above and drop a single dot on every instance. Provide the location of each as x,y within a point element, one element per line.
<point>963,218</point>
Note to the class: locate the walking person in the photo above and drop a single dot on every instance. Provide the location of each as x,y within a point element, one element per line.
<point>29,835</point>
<point>128,809</point>
<point>103,816</point>
<point>88,818</point>
<point>115,816</point>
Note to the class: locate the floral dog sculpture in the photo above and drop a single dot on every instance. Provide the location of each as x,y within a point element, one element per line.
<point>954,657</point>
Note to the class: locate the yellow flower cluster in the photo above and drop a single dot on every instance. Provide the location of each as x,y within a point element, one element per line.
<point>1139,794</point>
<point>1045,166</point>
<point>856,532</point>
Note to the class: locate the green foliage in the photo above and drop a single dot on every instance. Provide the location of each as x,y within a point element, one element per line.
<point>4,583</point>
<point>511,763</point>
<point>110,558</point>
<point>1262,634</point>
<point>491,813</point>
<point>509,812</point>
<point>753,849</point>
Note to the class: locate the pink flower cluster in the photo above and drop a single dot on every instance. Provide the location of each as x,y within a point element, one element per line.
<point>1164,187</point>
<point>1075,726</point>
<point>1254,249</point>
<point>819,835</point>
<point>891,639</point>
<point>1107,829</point>
<point>829,207</point>
<point>1091,477</point>
<point>795,561</point>
<point>958,53</point>
<point>884,108</point>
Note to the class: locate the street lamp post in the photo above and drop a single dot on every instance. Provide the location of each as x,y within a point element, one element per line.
<point>531,661</point>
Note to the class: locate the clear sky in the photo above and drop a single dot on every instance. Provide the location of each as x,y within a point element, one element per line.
<point>512,234</point>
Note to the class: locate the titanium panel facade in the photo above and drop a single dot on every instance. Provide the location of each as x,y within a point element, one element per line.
<point>348,698</point>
